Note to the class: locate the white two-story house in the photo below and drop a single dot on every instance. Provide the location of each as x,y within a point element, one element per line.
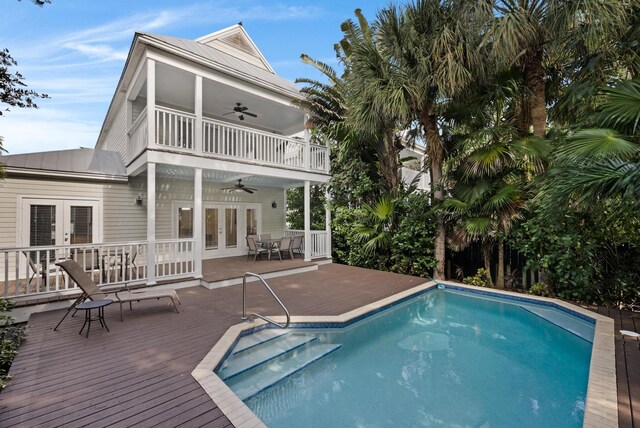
<point>198,146</point>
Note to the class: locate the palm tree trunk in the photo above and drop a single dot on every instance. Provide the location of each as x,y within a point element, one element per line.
<point>500,273</point>
<point>436,154</point>
<point>486,255</point>
<point>389,164</point>
<point>534,82</point>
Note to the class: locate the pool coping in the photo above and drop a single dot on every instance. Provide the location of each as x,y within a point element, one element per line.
<point>601,404</point>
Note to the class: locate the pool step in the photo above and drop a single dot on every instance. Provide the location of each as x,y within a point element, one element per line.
<point>252,382</point>
<point>240,362</point>
<point>258,338</point>
<point>568,322</point>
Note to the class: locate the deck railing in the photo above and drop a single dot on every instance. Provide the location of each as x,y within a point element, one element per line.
<point>138,135</point>
<point>319,248</point>
<point>30,271</point>
<point>175,130</point>
<point>224,139</point>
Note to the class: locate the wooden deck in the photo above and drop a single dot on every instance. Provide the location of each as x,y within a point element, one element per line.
<point>140,372</point>
<point>627,366</point>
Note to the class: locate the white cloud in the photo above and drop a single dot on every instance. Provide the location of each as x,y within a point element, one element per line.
<point>42,130</point>
<point>103,52</point>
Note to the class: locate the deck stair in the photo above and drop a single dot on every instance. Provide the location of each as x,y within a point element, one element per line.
<point>256,364</point>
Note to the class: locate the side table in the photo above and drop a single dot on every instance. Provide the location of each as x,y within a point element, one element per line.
<point>87,307</point>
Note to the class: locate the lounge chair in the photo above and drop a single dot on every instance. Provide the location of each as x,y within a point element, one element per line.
<point>92,292</point>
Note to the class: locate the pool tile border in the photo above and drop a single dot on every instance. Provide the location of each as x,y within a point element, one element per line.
<point>601,410</point>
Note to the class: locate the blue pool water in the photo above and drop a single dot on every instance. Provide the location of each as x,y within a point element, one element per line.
<point>442,359</point>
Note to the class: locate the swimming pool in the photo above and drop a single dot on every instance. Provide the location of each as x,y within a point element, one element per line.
<point>444,358</point>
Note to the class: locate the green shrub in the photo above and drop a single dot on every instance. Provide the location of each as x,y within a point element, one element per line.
<point>540,289</point>
<point>480,279</point>
<point>10,338</point>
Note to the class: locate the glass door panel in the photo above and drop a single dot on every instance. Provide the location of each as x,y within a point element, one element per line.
<point>252,222</point>
<point>211,228</point>
<point>231,228</point>
<point>81,225</point>
<point>185,222</point>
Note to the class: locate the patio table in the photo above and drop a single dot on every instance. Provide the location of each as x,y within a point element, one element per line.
<point>268,243</point>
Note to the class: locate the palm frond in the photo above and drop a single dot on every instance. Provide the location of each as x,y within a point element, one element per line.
<point>597,143</point>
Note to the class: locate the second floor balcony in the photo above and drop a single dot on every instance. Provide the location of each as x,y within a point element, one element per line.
<point>180,131</point>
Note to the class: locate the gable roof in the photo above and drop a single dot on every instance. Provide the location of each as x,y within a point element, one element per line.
<point>223,61</point>
<point>235,40</point>
<point>83,161</point>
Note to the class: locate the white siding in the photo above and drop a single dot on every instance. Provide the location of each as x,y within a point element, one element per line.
<point>168,191</point>
<point>122,220</point>
<point>116,138</point>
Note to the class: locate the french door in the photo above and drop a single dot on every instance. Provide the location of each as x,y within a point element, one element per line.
<point>59,222</point>
<point>224,227</point>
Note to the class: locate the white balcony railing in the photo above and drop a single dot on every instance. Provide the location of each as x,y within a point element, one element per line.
<point>224,139</point>
<point>138,135</point>
<point>29,271</point>
<point>176,130</point>
<point>319,248</point>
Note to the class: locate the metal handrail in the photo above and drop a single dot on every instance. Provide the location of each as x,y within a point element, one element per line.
<point>255,315</point>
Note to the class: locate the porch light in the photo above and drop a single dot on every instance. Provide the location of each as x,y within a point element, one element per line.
<point>274,204</point>
<point>139,200</point>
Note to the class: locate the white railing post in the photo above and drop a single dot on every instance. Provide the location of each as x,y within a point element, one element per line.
<point>197,222</point>
<point>307,221</point>
<point>327,221</point>
<point>151,223</point>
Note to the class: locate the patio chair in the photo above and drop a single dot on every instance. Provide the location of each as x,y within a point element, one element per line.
<point>284,246</point>
<point>91,291</point>
<point>296,246</point>
<point>253,247</point>
<point>265,236</point>
<point>37,268</point>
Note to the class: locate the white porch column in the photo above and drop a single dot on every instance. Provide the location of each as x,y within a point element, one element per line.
<point>327,226</point>
<point>151,223</point>
<point>307,221</point>
<point>307,145</point>
<point>151,102</point>
<point>197,220</point>
<point>198,111</point>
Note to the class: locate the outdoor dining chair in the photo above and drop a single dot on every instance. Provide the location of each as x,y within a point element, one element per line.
<point>284,246</point>
<point>296,245</point>
<point>254,248</point>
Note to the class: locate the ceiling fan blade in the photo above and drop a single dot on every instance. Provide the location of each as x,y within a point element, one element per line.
<point>231,112</point>
<point>250,191</point>
<point>248,113</point>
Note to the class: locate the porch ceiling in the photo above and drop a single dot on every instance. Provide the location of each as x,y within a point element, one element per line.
<point>215,176</point>
<point>175,88</point>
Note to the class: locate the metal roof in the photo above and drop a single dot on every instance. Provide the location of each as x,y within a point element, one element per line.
<point>227,61</point>
<point>78,161</point>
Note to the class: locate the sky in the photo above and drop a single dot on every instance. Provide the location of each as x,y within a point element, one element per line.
<point>74,51</point>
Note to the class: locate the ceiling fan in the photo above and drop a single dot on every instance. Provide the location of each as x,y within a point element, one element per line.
<point>240,111</point>
<point>239,187</point>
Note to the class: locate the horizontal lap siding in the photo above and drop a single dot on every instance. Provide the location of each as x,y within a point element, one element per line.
<point>116,138</point>
<point>121,219</point>
<point>168,191</point>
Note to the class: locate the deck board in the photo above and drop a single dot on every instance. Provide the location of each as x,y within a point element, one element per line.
<point>140,372</point>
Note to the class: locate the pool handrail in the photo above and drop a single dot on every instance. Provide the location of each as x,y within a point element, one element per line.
<point>254,315</point>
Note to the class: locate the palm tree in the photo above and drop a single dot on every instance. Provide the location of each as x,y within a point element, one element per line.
<point>375,97</point>
<point>432,48</point>
<point>528,34</point>
<point>603,162</point>
<point>377,231</point>
<point>489,169</point>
